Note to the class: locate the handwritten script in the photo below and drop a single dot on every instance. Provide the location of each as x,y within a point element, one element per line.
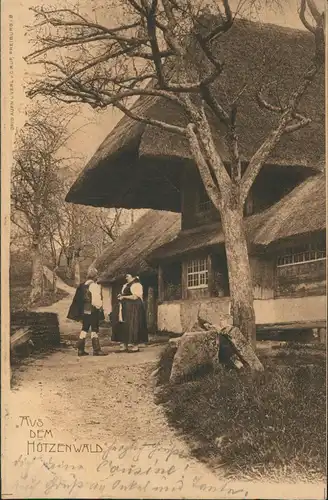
<point>52,468</point>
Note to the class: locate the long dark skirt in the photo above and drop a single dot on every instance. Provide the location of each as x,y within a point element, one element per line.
<point>133,329</point>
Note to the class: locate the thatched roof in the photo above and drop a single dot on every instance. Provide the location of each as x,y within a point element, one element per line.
<point>138,166</point>
<point>301,212</point>
<point>129,252</point>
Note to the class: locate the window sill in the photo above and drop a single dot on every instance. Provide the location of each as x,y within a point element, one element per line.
<point>198,287</point>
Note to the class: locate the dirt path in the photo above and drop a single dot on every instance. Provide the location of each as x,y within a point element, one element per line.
<point>59,282</point>
<point>107,404</point>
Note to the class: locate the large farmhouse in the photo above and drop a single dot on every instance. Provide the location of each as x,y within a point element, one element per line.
<point>138,166</point>
<point>287,248</point>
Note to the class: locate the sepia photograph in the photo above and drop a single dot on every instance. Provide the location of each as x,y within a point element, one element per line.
<point>163,250</point>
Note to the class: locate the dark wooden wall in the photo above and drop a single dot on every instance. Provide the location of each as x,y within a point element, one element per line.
<point>262,267</point>
<point>191,185</point>
<point>301,280</point>
<point>272,184</point>
<point>269,280</point>
<point>173,277</point>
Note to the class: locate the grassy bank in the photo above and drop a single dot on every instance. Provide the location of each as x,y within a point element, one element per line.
<point>20,288</point>
<point>255,425</point>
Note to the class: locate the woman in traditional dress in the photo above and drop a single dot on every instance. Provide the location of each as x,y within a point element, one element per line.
<point>132,315</point>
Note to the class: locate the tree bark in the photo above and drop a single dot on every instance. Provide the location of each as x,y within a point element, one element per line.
<point>37,272</point>
<point>240,277</point>
<point>227,199</point>
<point>54,281</point>
<point>77,274</point>
<point>68,267</point>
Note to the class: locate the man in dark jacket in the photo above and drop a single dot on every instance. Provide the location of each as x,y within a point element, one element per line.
<point>87,307</point>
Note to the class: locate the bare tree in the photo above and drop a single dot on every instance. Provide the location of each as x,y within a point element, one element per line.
<point>78,231</point>
<point>35,183</point>
<point>148,54</point>
<point>109,223</point>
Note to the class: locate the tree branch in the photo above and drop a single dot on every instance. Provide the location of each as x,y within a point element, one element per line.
<point>234,148</point>
<point>213,104</point>
<point>224,27</point>
<point>302,11</point>
<point>204,170</point>
<point>264,104</point>
<point>150,121</point>
<point>205,141</point>
<point>302,122</point>
<point>151,28</point>
<point>264,151</point>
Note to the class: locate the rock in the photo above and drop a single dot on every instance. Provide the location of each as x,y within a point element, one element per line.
<point>158,395</point>
<point>174,342</point>
<point>235,361</point>
<point>154,373</point>
<point>227,354</point>
<point>216,317</point>
<point>239,345</point>
<point>242,348</point>
<point>195,350</point>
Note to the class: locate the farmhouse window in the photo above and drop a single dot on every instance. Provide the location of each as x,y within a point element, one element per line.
<point>197,273</point>
<point>305,253</point>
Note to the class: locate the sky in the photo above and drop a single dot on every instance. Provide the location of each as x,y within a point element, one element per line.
<point>96,126</point>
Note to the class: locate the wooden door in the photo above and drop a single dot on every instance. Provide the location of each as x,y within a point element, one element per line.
<point>151,302</point>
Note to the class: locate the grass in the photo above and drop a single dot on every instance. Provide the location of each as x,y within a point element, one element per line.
<point>20,286</point>
<point>49,298</point>
<point>19,298</point>
<point>255,425</point>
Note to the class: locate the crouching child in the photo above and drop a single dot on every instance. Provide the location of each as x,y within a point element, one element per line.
<point>87,307</point>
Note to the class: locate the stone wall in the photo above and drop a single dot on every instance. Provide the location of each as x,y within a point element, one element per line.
<point>180,316</point>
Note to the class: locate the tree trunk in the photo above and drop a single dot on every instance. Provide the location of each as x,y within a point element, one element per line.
<point>240,277</point>
<point>54,281</point>
<point>68,267</point>
<point>77,274</point>
<point>37,272</point>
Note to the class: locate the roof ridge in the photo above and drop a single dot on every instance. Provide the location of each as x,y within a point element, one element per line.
<point>281,27</point>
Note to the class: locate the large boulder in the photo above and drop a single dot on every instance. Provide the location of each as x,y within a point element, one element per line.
<point>240,347</point>
<point>195,350</point>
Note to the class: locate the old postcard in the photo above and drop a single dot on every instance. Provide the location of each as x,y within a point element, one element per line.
<point>163,250</point>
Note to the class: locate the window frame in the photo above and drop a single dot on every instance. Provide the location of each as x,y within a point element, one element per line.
<point>298,256</point>
<point>197,272</point>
